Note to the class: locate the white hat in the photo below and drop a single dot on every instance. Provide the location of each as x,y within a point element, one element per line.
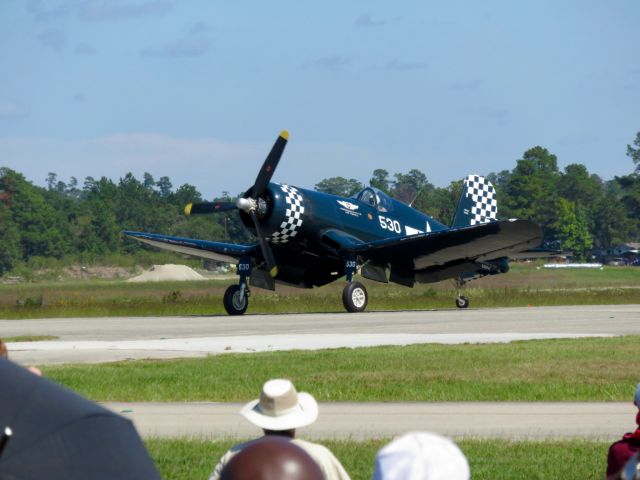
<point>280,407</point>
<point>636,397</point>
<point>421,455</point>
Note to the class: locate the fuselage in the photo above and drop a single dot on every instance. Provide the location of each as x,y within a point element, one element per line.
<point>292,214</point>
<point>312,221</point>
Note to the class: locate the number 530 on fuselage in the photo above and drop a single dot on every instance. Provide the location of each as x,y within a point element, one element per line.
<point>308,239</point>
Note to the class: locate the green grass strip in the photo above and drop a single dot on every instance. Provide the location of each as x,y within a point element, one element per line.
<point>488,459</point>
<point>525,285</point>
<point>29,338</point>
<point>592,369</point>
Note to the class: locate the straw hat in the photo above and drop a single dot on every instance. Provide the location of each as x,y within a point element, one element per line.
<point>280,407</point>
<point>421,455</point>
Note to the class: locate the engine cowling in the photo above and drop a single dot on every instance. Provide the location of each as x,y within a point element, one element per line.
<point>280,212</point>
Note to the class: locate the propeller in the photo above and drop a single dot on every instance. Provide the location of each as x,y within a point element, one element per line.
<point>208,207</point>
<point>249,202</point>
<point>269,165</point>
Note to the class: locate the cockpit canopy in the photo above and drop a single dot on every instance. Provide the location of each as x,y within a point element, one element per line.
<point>376,198</point>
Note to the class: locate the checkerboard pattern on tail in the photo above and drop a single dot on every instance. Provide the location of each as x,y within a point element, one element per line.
<point>293,216</point>
<point>478,203</point>
<point>485,205</point>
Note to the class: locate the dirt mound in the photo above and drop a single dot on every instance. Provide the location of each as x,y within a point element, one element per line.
<point>78,271</point>
<point>164,273</point>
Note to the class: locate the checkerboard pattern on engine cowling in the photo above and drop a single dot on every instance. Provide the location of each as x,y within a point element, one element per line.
<point>293,216</point>
<point>483,195</point>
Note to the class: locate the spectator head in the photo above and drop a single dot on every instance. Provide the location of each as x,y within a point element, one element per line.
<point>3,350</point>
<point>272,458</point>
<point>421,455</point>
<point>281,407</point>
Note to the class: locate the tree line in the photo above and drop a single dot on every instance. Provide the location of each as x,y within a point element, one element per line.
<point>578,211</point>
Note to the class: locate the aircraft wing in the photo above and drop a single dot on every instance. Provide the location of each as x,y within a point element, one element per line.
<point>483,242</point>
<point>222,252</point>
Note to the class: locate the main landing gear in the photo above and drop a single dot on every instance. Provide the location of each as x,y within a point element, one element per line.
<point>355,297</point>
<point>461,300</point>
<point>236,299</point>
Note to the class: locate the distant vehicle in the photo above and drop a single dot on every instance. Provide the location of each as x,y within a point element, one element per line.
<point>309,239</point>
<point>616,262</point>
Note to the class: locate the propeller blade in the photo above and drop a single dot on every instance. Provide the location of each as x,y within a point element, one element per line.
<point>269,165</point>
<point>272,268</point>
<point>208,207</point>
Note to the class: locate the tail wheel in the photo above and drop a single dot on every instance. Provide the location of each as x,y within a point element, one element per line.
<point>355,297</point>
<point>462,302</point>
<point>234,303</point>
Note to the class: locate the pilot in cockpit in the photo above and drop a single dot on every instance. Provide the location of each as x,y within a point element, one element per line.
<point>372,198</point>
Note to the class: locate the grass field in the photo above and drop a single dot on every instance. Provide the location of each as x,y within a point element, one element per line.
<point>602,369</point>
<point>488,459</point>
<point>523,285</point>
<point>593,369</point>
<point>29,338</point>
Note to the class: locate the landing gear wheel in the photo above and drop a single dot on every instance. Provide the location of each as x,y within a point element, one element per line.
<point>233,304</point>
<point>355,297</point>
<point>462,302</point>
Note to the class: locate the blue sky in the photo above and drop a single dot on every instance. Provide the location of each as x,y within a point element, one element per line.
<point>198,90</point>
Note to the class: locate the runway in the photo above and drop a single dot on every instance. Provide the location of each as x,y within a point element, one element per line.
<point>110,339</point>
<point>119,338</point>
<point>358,421</point>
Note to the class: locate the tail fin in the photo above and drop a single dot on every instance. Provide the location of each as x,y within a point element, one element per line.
<point>477,203</point>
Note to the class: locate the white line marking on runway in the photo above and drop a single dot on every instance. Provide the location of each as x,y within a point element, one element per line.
<point>264,343</point>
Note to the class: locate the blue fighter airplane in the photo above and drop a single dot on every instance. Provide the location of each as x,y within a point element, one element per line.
<point>308,239</point>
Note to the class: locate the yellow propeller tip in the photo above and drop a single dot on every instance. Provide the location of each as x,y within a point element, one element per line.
<point>274,271</point>
<point>187,209</point>
<point>284,134</point>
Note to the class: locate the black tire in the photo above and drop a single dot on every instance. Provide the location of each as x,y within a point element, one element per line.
<point>462,302</point>
<point>232,303</point>
<point>355,297</point>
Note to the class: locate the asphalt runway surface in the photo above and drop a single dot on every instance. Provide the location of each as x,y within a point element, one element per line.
<point>110,339</point>
<point>358,421</point>
<point>119,338</point>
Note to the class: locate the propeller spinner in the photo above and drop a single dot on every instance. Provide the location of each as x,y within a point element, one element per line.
<point>250,201</point>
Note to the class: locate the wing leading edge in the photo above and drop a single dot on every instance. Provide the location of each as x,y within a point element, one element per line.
<point>222,252</point>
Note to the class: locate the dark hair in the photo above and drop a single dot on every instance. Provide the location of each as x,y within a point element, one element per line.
<point>271,457</point>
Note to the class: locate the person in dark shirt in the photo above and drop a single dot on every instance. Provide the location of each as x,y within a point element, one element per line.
<point>627,447</point>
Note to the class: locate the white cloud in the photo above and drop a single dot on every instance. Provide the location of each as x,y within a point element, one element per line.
<point>335,62</point>
<point>199,28</point>
<point>10,110</point>
<point>96,10</point>
<point>367,21</point>
<point>185,47</point>
<point>53,38</point>
<point>396,64</point>
<point>85,49</point>
<point>99,11</point>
